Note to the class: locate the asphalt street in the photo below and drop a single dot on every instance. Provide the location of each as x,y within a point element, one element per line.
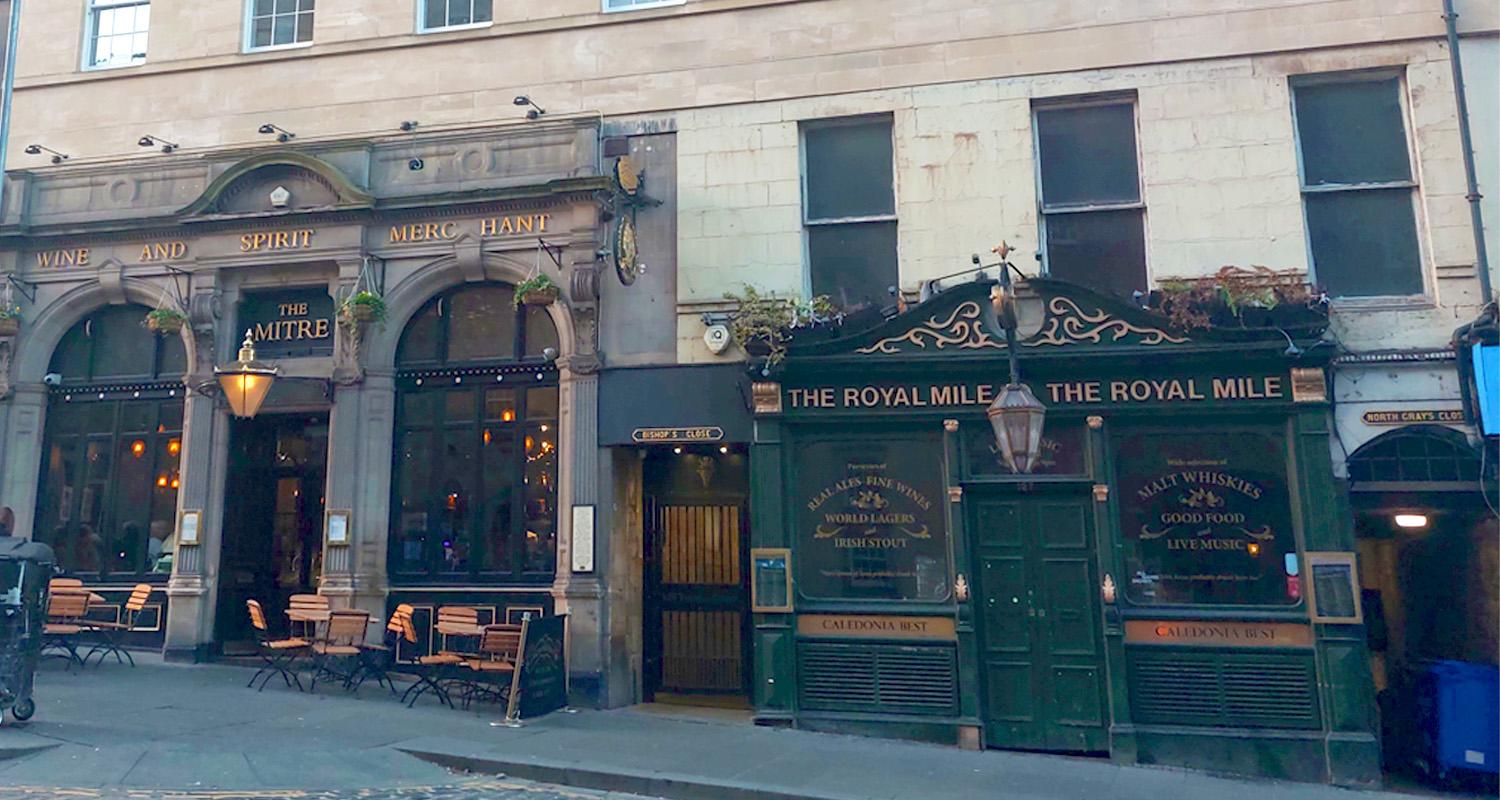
<point>474,789</point>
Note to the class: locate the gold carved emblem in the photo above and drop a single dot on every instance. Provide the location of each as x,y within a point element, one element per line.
<point>963,329</point>
<point>765,397</point>
<point>1309,385</point>
<point>1067,323</point>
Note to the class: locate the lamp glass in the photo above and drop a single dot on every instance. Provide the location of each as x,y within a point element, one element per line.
<point>1017,418</point>
<point>245,391</point>
<point>1411,520</point>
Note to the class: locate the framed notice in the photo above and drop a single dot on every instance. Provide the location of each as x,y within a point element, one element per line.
<point>770,580</point>
<point>1333,591</point>
<point>338,526</point>
<point>187,527</point>
<point>583,539</point>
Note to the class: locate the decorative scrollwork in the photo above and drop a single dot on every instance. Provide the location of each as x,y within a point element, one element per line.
<point>963,329</point>
<point>1068,324</point>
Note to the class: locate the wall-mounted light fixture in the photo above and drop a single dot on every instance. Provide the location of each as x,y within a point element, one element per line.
<point>531,113</point>
<point>152,141</point>
<point>1411,521</point>
<point>36,150</point>
<point>409,125</point>
<point>282,134</point>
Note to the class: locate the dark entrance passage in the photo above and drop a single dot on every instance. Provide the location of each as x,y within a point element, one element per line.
<point>1042,656</point>
<point>273,518</point>
<point>697,599</point>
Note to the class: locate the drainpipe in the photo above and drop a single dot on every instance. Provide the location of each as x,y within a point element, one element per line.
<point>1482,262</point>
<point>12,25</point>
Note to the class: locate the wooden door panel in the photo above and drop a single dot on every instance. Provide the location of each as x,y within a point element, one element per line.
<point>1075,695</point>
<point>1007,626</point>
<point>998,525</point>
<point>1062,525</point>
<point>1012,698</point>
<point>1067,592</point>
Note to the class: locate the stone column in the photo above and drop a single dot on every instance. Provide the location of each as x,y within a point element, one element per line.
<point>23,453</point>
<point>192,591</point>
<point>580,595</point>
<point>359,479</point>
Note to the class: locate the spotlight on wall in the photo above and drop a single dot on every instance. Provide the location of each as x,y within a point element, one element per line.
<point>533,112</point>
<point>1411,521</point>
<point>282,134</point>
<point>409,125</point>
<point>152,141</point>
<point>36,150</point>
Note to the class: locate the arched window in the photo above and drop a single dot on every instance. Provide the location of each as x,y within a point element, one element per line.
<point>108,496</point>
<point>1418,457</point>
<point>474,488</point>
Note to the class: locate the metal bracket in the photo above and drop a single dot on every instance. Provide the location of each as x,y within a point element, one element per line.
<point>22,285</point>
<point>182,295</point>
<point>554,251</point>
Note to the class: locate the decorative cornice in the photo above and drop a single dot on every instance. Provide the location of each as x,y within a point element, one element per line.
<point>963,329</point>
<point>1067,323</point>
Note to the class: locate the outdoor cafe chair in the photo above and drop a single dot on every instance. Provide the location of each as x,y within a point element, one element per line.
<point>340,644</point>
<point>461,622</point>
<point>430,671</point>
<point>304,612</point>
<point>66,609</point>
<point>279,654</point>
<point>376,660</point>
<point>109,631</point>
<point>492,668</point>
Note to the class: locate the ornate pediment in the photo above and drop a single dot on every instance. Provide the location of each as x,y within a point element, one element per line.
<point>278,183</point>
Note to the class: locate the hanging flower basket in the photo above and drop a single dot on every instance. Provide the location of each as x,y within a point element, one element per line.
<point>10,325</point>
<point>536,291</point>
<point>165,320</point>
<point>363,307</point>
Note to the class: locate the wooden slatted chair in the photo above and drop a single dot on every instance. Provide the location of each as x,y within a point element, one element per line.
<point>279,654</point>
<point>304,612</point>
<point>336,654</point>
<point>376,660</point>
<point>430,671</point>
<point>58,584</point>
<point>66,609</point>
<point>461,622</point>
<point>109,631</point>
<point>499,646</point>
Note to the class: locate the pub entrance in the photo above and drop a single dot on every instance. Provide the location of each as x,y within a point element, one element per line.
<point>273,519</point>
<point>1041,651</point>
<point>696,564</point>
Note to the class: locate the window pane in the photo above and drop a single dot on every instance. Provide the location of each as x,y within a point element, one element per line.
<point>262,35</point>
<point>481,324</point>
<point>458,12</point>
<point>854,263</point>
<point>413,477</point>
<point>1103,250</point>
<point>160,545</point>
<point>305,27</point>
<point>436,14</point>
<point>1364,243</point>
<point>500,468</point>
<point>263,7</point>
<point>457,467</point>
<point>124,531</point>
<point>286,29</point>
<point>848,170</point>
<point>1352,132</point>
<point>419,342</point>
<point>122,346</point>
<point>1088,155</point>
<point>500,406</point>
<point>541,496</point>
<point>540,332</point>
<point>482,10</point>
<point>458,405</point>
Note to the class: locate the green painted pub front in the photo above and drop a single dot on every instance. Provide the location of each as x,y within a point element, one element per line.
<point>1146,592</point>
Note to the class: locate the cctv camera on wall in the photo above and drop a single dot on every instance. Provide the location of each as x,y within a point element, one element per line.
<point>717,338</point>
<point>52,379</point>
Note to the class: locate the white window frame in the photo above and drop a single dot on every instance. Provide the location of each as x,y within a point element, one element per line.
<point>1422,299</point>
<point>421,6</point>
<point>803,126</point>
<point>91,27</point>
<point>249,44</point>
<point>610,7</point>
<point>1043,254</point>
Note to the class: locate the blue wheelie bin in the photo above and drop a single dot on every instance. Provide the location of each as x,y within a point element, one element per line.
<point>1459,710</point>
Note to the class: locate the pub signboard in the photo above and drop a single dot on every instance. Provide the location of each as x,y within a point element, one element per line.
<point>289,323</point>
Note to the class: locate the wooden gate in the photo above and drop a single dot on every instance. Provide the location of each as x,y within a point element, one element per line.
<point>697,601</point>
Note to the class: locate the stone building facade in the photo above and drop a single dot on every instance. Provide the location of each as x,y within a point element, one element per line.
<point>408,133</point>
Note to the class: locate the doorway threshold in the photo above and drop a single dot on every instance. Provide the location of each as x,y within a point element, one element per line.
<point>700,708</point>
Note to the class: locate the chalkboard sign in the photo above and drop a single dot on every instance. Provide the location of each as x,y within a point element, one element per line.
<point>1335,588</point>
<point>771,589</point>
<point>540,683</point>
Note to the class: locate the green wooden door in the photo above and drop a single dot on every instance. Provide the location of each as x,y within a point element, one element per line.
<point>1041,651</point>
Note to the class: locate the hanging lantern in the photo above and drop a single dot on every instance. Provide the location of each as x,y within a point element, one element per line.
<point>1017,417</point>
<point>246,381</point>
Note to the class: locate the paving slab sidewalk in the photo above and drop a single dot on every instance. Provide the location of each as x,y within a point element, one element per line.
<point>168,726</point>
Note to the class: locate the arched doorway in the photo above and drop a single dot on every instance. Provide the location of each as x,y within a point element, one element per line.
<point>474,489</point>
<point>107,498</point>
<point>1429,548</point>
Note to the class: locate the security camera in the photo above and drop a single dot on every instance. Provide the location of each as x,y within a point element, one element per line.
<point>52,379</point>
<point>415,164</point>
<point>716,337</point>
<point>549,353</point>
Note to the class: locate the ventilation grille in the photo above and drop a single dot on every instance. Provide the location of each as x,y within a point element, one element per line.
<point>1252,690</point>
<point>878,678</point>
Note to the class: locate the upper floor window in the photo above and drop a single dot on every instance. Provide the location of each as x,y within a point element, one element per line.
<point>1358,190</point>
<point>277,23</point>
<point>1093,218</point>
<point>117,32</point>
<point>439,14</point>
<point>849,209</point>
<point>630,5</point>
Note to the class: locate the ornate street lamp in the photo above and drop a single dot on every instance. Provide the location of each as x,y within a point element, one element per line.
<point>246,381</point>
<point>1016,415</point>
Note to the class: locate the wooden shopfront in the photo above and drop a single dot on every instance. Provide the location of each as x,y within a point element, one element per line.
<point>1146,592</point>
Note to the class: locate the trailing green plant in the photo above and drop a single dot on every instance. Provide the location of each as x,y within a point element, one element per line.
<point>165,320</point>
<point>10,311</point>
<point>766,322</point>
<point>1193,303</point>
<point>538,284</point>
<point>363,306</point>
